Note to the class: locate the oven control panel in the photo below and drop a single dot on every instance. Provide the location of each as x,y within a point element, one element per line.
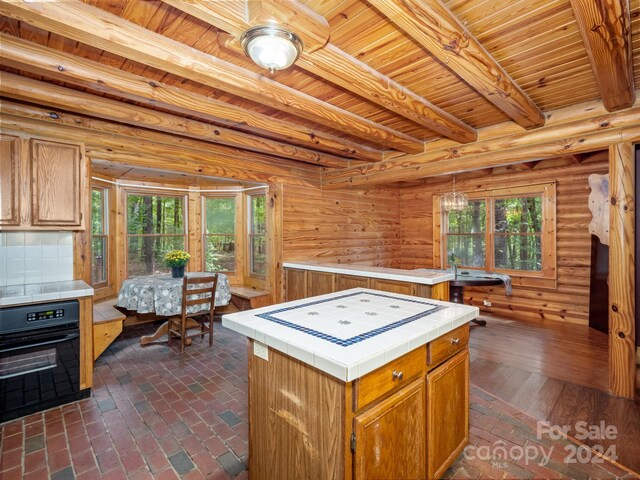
<point>45,315</point>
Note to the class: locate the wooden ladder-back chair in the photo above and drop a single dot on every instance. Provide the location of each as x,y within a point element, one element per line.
<point>196,291</point>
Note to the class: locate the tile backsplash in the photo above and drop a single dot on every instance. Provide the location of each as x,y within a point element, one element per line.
<point>35,257</point>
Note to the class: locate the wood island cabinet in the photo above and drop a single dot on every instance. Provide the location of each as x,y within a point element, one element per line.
<point>378,426</point>
<point>43,184</point>
<point>407,419</point>
<point>447,413</point>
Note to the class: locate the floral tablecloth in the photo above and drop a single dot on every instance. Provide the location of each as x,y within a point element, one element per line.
<point>162,294</point>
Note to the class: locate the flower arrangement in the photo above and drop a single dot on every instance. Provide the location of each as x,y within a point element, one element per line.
<point>176,258</point>
<point>454,261</point>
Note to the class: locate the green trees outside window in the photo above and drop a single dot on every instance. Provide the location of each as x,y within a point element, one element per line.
<point>497,233</point>
<point>219,234</point>
<point>155,225</point>
<point>99,237</point>
<point>517,230</point>
<point>466,234</point>
<point>257,235</point>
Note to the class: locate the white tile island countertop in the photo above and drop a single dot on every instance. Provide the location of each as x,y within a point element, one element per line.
<point>423,276</point>
<point>43,292</point>
<point>350,333</point>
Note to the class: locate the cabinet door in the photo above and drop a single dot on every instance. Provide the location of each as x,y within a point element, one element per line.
<point>392,286</point>
<point>56,177</point>
<point>447,413</point>
<point>9,180</point>
<point>390,437</point>
<point>296,283</point>
<point>345,282</point>
<point>319,283</point>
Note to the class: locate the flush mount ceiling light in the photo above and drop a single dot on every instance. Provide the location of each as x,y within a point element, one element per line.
<point>271,47</point>
<point>454,201</point>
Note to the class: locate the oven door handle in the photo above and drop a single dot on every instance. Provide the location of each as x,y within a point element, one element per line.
<point>25,345</point>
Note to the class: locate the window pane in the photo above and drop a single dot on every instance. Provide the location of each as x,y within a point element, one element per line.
<point>258,254</point>
<point>518,252</point>
<point>258,218</point>
<point>472,219</point>
<point>145,254</point>
<point>469,249</point>
<point>97,211</point>
<point>219,253</point>
<point>155,214</point>
<point>518,215</point>
<point>98,260</point>
<point>257,237</point>
<point>219,240</point>
<point>221,215</point>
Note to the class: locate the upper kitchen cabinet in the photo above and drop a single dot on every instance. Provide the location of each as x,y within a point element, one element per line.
<point>43,184</point>
<point>56,179</point>
<point>9,180</point>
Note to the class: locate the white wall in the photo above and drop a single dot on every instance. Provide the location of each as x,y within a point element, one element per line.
<point>35,257</point>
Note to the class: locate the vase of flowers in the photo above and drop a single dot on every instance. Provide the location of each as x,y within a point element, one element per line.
<point>177,259</point>
<point>453,261</point>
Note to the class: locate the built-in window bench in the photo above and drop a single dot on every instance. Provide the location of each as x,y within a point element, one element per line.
<point>246,298</point>
<point>107,325</point>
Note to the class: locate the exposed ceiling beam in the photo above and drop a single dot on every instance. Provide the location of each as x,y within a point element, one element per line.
<point>575,158</point>
<point>584,135</point>
<point>435,28</point>
<point>332,64</point>
<point>145,146</point>
<point>313,29</point>
<point>35,58</point>
<point>605,26</point>
<point>338,67</point>
<point>96,27</point>
<point>29,90</point>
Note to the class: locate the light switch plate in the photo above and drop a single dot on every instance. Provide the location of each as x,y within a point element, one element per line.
<point>260,350</point>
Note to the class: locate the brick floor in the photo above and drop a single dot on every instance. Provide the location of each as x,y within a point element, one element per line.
<point>155,414</point>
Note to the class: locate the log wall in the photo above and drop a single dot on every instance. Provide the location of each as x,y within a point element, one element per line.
<point>344,226</point>
<point>569,301</point>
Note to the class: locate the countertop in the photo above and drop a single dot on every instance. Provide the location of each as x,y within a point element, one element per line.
<point>350,333</point>
<point>43,292</point>
<point>423,276</point>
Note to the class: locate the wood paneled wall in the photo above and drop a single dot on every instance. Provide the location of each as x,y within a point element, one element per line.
<point>343,226</point>
<point>569,301</point>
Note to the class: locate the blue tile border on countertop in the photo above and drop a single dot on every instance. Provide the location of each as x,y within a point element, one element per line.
<point>358,338</point>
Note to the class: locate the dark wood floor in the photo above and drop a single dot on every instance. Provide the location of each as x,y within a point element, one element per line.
<point>557,373</point>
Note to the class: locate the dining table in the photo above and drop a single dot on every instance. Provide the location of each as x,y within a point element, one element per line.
<point>162,295</point>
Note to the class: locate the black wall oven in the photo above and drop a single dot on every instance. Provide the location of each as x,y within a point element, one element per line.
<point>39,358</point>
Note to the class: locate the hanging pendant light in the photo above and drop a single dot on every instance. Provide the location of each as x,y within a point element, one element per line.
<point>454,201</point>
<point>271,46</point>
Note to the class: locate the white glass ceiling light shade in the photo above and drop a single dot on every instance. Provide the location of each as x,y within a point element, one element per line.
<point>454,201</point>
<point>271,47</point>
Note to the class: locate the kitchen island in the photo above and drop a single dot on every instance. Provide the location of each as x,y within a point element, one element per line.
<point>356,384</point>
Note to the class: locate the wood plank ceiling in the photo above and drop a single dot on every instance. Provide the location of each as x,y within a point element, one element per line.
<point>378,79</point>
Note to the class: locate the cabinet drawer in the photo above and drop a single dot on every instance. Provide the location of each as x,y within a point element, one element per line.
<point>448,345</point>
<point>390,376</point>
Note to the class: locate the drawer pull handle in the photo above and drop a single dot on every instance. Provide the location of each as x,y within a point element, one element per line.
<point>397,375</point>
<point>455,341</point>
